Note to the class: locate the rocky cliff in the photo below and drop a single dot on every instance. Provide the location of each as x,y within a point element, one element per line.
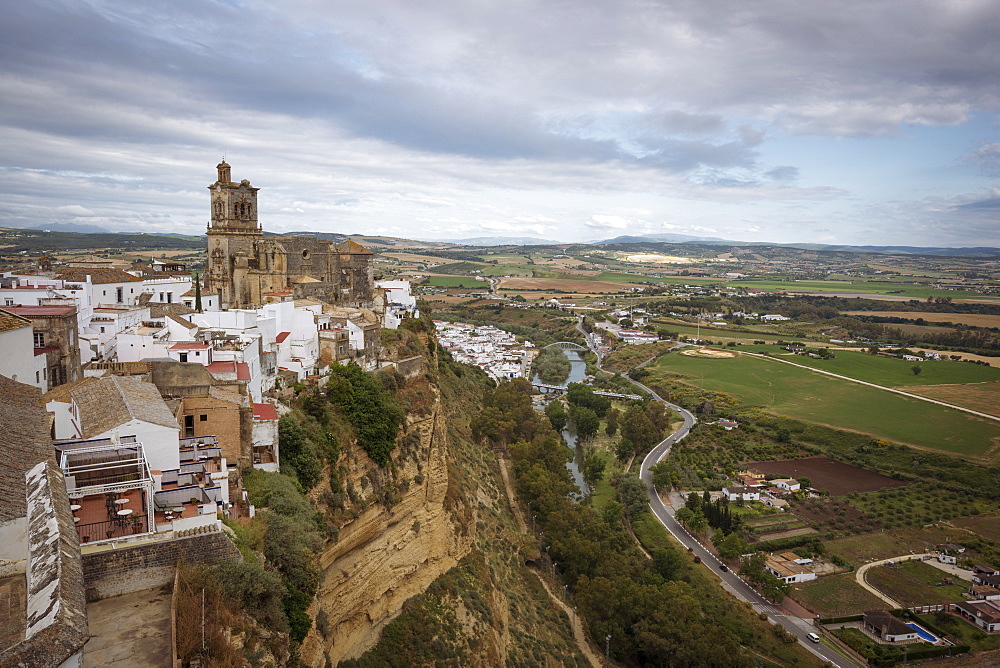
<point>389,552</point>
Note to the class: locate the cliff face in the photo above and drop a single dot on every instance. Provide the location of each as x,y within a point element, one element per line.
<point>387,554</point>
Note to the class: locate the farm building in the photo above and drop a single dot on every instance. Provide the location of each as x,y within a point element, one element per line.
<point>789,567</point>
<point>984,614</point>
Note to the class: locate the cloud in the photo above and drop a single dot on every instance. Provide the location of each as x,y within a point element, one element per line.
<point>395,115</point>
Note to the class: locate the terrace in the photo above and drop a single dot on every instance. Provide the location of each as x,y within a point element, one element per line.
<point>110,488</point>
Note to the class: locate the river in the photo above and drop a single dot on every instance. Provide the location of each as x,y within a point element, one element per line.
<point>577,374</point>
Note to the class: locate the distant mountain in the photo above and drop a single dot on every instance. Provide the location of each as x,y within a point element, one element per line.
<point>663,238</point>
<point>505,241</point>
<point>978,251</point>
<point>975,251</point>
<point>72,227</point>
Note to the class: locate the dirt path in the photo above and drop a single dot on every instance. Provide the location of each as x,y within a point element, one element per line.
<point>860,576</point>
<point>511,499</point>
<point>578,633</point>
<point>581,637</point>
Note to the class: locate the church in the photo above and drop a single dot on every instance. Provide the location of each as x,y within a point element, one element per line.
<point>247,269</point>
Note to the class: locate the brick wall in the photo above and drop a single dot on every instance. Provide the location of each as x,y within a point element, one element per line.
<point>130,569</point>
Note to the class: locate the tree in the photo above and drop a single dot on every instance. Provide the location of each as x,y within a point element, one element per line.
<point>638,428</point>
<point>197,293</point>
<point>612,418</point>
<point>585,420</point>
<point>916,369</point>
<point>557,415</point>
<point>731,546</point>
<point>593,469</point>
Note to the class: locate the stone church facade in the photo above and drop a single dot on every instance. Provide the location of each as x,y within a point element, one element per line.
<point>248,269</point>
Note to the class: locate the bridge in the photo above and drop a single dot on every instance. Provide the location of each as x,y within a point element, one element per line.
<point>541,387</point>
<point>565,345</point>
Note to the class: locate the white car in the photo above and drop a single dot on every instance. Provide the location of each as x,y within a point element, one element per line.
<point>813,637</point>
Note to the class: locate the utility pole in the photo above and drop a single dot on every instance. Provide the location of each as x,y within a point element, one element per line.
<point>607,650</point>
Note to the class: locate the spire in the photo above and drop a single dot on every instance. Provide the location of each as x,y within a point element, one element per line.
<point>224,173</point>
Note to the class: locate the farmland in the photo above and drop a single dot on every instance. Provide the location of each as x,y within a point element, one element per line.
<point>893,372</point>
<point>457,282</point>
<point>983,397</point>
<point>987,526</point>
<point>971,319</point>
<point>824,473</point>
<point>835,595</point>
<point>884,544</point>
<point>799,393</point>
<point>913,583</point>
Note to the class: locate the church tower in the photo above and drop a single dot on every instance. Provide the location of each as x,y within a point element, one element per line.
<point>232,234</point>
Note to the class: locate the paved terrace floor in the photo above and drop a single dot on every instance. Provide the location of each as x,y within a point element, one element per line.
<point>130,631</point>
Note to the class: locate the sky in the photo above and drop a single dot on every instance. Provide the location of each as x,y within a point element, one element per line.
<point>848,122</point>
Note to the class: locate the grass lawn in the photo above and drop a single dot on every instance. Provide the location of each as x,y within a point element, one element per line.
<point>892,372</point>
<point>457,282</point>
<point>910,584</point>
<point>965,632</point>
<point>836,596</point>
<point>799,393</point>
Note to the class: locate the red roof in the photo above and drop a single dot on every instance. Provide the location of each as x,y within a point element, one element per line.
<point>242,371</point>
<point>222,366</point>
<point>189,346</point>
<point>264,412</point>
<point>282,336</point>
<point>28,311</point>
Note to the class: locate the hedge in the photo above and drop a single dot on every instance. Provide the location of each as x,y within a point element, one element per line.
<point>838,620</point>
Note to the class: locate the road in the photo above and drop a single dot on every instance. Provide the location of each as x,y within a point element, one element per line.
<point>730,581</point>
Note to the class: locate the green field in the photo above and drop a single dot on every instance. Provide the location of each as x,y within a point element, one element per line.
<point>891,372</point>
<point>457,282</point>
<point>871,287</point>
<point>800,393</point>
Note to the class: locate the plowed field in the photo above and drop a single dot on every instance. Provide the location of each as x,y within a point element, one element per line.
<point>825,473</point>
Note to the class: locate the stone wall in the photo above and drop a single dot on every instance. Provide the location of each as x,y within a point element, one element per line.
<point>56,623</point>
<point>128,569</point>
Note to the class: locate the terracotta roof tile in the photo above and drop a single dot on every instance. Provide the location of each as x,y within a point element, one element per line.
<point>97,275</point>
<point>24,441</point>
<point>115,400</point>
<point>9,321</point>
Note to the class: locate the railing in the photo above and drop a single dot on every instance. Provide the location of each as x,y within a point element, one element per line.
<point>120,527</point>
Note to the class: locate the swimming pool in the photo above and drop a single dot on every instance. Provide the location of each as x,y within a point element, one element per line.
<point>922,632</point>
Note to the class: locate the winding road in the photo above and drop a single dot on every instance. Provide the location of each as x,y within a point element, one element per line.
<point>730,581</point>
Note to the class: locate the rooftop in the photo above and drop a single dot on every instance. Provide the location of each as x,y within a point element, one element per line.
<point>115,400</point>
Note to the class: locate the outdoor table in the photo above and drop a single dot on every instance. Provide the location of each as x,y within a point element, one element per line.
<point>75,507</point>
<point>121,502</point>
<point>125,513</point>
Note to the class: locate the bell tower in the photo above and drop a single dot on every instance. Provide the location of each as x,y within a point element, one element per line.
<point>233,230</point>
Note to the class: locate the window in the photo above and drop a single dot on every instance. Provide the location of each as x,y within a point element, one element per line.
<point>39,339</point>
<point>184,357</point>
<point>203,418</point>
<point>8,301</point>
<point>188,426</point>
<point>120,293</point>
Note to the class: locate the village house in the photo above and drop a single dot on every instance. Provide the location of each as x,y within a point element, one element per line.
<point>984,614</point>
<point>789,567</point>
<point>787,484</point>
<point>886,627</point>
<point>741,494</point>
<point>19,361</point>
